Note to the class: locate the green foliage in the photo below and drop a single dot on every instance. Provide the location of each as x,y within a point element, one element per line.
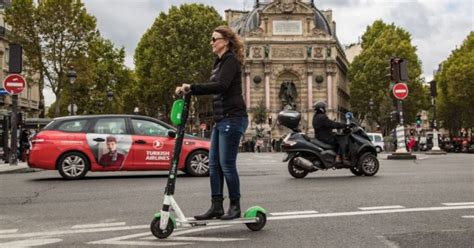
<point>53,34</point>
<point>173,51</point>
<point>455,82</point>
<point>369,78</point>
<point>260,113</point>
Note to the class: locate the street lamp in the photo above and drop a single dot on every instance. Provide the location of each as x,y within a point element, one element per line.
<point>100,104</point>
<point>371,107</point>
<point>71,74</point>
<point>136,110</point>
<point>110,96</point>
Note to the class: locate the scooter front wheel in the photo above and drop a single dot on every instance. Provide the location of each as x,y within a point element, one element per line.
<point>158,232</point>
<point>296,171</point>
<point>261,221</point>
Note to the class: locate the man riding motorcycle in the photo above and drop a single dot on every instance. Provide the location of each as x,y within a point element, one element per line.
<point>323,127</point>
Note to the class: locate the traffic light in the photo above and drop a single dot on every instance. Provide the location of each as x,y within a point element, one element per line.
<point>398,70</point>
<point>433,91</point>
<point>15,58</point>
<point>418,121</point>
<point>394,116</point>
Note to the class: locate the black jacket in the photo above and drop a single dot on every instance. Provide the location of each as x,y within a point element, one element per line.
<point>225,84</point>
<point>323,127</point>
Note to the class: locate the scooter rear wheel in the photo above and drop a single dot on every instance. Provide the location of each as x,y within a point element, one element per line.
<point>158,232</point>
<point>257,226</point>
<point>296,171</point>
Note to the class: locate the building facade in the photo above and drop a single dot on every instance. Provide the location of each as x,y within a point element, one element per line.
<point>29,99</point>
<point>293,58</point>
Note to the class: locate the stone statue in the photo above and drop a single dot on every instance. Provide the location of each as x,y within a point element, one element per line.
<point>288,95</point>
<point>266,50</point>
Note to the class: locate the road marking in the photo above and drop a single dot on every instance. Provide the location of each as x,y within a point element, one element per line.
<point>98,225</point>
<point>404,210</point>
<point>8,231</point>
<point>458,203</point>
<point>29,243</point>
<point>122,240</point>
<point>56,233</point>
<point>294,213</point>
<point>468,216</point>
<point>381,207</point>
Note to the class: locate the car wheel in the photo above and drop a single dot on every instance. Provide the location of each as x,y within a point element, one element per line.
<point>378,149</point>
<point>197,164</point>
<point>73,165</point>
<point>368,164</point>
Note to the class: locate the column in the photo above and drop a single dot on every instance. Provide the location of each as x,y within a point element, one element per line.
<point>329,91</point>
<point>267,90</point>
<point>247,89</point>
<point>310,90</point>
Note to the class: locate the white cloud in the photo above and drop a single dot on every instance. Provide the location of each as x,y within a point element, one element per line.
<point>437,26</point>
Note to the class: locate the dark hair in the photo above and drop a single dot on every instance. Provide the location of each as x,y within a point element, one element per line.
<point>235,44</point>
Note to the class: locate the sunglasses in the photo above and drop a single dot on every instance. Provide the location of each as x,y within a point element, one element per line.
<point>214,39</point>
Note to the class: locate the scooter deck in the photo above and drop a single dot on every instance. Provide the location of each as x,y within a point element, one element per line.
<point>215,222</point>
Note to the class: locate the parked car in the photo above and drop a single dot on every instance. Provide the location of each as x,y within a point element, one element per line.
<point>74,145</point>
<point>377,140</point>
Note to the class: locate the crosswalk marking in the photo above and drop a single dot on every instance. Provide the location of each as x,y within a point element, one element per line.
<point>98,225</point>
<point>8,231</point>
<point>458,203</point>
<point>381,207</point>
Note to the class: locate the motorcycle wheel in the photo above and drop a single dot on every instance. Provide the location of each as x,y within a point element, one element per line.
<point>368,164</point>
<point>356,171</point>
<point>296,171</point>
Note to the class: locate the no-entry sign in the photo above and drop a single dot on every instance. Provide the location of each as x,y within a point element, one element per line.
<point>400,91</point>
<point>14,84</point>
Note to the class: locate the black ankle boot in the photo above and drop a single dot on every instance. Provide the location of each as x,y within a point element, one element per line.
<point>233,212</point>
<point>216,210</point>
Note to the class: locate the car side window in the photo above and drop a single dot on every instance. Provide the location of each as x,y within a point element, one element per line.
<point>148,128</point>
<point>72,126</point>
<point>110,126</point>
<point>378,139</point>
<point>371,137</point>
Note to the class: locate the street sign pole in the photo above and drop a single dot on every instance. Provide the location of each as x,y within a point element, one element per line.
<point>400,92</point>
<point>14,139</point>
<point>14,84</point>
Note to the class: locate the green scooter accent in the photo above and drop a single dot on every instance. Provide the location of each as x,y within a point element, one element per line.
<point>252,211</point>
<point>158,216</point>
<point>176,112</point>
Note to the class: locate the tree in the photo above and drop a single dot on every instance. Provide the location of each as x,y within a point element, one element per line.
<point>100,69</point>
<point>455,82</point>
<point>53,34</point>
<point>260,113</point>
<point>173,51</point>
<point>368,75</point>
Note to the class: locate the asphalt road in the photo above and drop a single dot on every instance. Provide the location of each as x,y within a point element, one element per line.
<point>428,202</point>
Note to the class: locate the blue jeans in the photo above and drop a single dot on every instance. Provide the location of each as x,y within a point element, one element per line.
<point>225,139</point>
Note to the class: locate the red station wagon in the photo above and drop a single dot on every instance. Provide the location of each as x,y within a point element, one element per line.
<point>74,145</point>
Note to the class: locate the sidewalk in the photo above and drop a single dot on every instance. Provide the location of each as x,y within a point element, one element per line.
<point>19,168</point>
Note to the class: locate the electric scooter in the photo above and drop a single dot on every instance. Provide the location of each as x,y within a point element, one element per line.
<point>164,222</point>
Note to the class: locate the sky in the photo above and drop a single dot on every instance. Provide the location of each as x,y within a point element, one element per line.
<point>437,26</point>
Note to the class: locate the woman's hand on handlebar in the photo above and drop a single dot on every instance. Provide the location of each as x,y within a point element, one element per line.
<point>184,88</point>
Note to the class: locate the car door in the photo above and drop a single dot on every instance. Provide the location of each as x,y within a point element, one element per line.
<point>152,148</point>
<point>110,142</point>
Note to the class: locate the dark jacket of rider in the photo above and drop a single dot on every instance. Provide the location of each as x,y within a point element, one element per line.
<point>323,127</point>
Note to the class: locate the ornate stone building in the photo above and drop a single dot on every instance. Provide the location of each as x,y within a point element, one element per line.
<point>293,58</point>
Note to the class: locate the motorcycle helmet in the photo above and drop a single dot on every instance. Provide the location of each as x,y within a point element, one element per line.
<point>319,107</point>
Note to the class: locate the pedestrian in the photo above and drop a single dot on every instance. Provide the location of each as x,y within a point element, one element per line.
<point>230,117</point>
<point>411,143</point>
